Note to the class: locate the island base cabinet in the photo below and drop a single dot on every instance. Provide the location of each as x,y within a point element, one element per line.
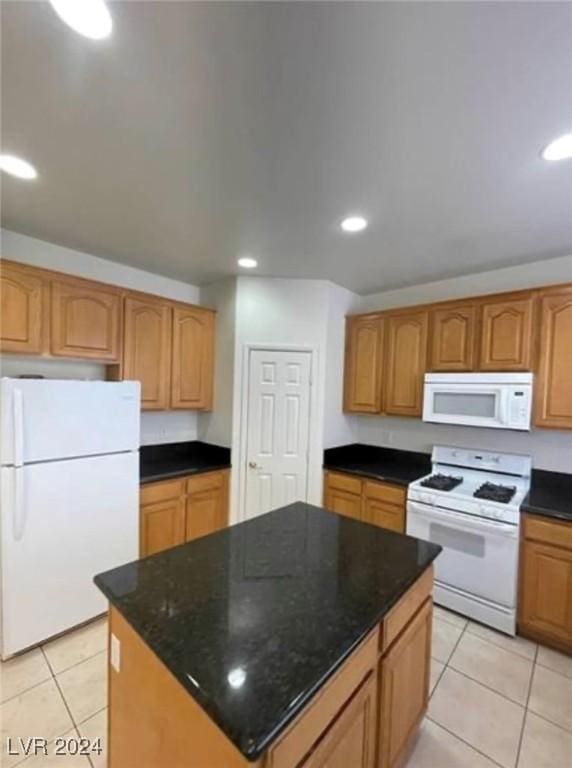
<point>404,687</point>
<point>350,741</point>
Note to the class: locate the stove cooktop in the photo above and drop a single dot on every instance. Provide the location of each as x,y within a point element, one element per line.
<point>442,482</point>
<point>492,492</point>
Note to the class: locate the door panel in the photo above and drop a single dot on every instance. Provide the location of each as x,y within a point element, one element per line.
<point>207,504</point>
<point>453,338</point>
<point>277,430</point>
<point>22,299</point>
<point>363,364</point>
<point>146,350</point>
<point>162,526</point>
<point>405,366</point>
<point>506,338</point>
<point>193,353</point>
<point>85,321</point>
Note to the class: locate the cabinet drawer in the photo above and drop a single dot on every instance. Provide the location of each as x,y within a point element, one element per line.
<point>402,613</point>
<point>205,482</point>
<point>548,531</point>
<point>392,494</point>
<point>161,491</point>
<point>343,482</point>
<point>324,708</point>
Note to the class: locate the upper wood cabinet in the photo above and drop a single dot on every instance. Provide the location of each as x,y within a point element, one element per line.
<point>506,334</point>
<point>453,337</point>
<point>147,349</point>
<point>85,320</point>
<point>406,358</point>
<point>193,358</point>
<point>363,363</point>
<point>22,302</point>
<point>553,400</point>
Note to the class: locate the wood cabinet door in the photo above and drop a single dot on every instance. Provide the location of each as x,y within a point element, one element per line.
<point>553,399</point>
<point>207,504</point>
<point>85,321</point>
<point>161,526</point>
<point>344,503</point>
<point>147,350</point>
<point>383,514</point>
<point>363,361</point>
<point>452,344</point>
<point>404,683</point>
<point>22,297</point>
<point>545,607</point>
<point>350,740</point>
<point>405,363</point>
<point>193,359</point>
<point>506,335</point>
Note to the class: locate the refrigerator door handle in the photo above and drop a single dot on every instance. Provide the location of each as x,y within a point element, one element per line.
<point>19,504</point>
<point>18,417</point>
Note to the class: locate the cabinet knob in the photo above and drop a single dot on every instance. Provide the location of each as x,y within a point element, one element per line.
<point>252,464</point>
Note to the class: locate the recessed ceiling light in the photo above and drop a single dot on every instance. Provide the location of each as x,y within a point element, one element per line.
<point>15,166</point>
<point>559,149</point>
<point>90,18</point>
<point>354,224</point>
<point>247,262</point>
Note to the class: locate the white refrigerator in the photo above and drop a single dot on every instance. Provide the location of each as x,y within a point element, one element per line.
<point>69,454</point>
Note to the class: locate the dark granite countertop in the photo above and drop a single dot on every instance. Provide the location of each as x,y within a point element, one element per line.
<point>160,462</point>
<point>550,495</point>
<point>388,464</point>
<point>254,619</point>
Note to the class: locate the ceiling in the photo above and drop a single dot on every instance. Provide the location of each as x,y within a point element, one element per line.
<point>201,132</point>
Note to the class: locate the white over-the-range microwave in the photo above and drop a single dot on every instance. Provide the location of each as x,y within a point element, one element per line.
<point>498,400</point>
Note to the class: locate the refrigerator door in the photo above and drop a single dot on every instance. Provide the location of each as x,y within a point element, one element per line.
<point>43,420</point>
<point>62,523</point>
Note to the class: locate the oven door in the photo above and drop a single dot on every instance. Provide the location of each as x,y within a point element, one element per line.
<point>479,556</point>
<point>475,405</point>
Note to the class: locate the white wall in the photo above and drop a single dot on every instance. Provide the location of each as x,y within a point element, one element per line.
<point>546,272</point>
<point>550,449</point>
<point>160,427</point>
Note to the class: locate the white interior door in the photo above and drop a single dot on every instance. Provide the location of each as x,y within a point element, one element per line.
<point>277,430</point>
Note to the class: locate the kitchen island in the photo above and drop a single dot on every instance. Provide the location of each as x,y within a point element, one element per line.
<point>298,638</point>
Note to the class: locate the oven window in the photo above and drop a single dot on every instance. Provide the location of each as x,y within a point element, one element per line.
<point>465,404</point>
<point>462,541</point>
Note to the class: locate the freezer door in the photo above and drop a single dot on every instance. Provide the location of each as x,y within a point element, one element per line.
<point>62,523</point>
<point>43,420</point>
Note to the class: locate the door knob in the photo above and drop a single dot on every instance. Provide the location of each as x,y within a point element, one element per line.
<point>252,464</point>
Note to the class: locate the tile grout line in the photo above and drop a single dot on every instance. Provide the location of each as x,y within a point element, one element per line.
<point>60,691</point>
<point>52,673</point>
<point>503,648</point>
<point>468,744</point>
<point>526,710</point>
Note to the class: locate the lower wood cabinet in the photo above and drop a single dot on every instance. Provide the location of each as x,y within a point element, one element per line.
<point>371,501</point>
<point>175,511</point>
<point>545,600</point>
<point>404,686</point>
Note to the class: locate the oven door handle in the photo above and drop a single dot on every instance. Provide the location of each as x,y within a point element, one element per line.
<point>463,521</point>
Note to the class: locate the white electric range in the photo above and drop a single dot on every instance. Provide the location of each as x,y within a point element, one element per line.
<point>470,505</point>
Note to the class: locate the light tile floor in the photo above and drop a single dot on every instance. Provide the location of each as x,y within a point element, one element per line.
<point>495,701</point>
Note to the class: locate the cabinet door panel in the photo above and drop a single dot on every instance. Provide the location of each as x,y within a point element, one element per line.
<point>453,338</point>
<point>344,503</point>
<point>546,592</point>
<point>21,311</point>
<point>85,321</point>
<point>162,525</point>
<point>207,504</point>
<point>350,740</point>
<point>146,350</point>
<point>506,338</point>
<point>404,695</point>
<point>553,402</point>
<point>193,359</point>
<point>364,357</point>
<point>406,361</point>
<point>385,515</point>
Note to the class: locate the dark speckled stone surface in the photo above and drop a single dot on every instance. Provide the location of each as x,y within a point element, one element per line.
<point>160,462</point>
<point>254,619</point>
<point>550,495</point>
<point>389,464</point>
